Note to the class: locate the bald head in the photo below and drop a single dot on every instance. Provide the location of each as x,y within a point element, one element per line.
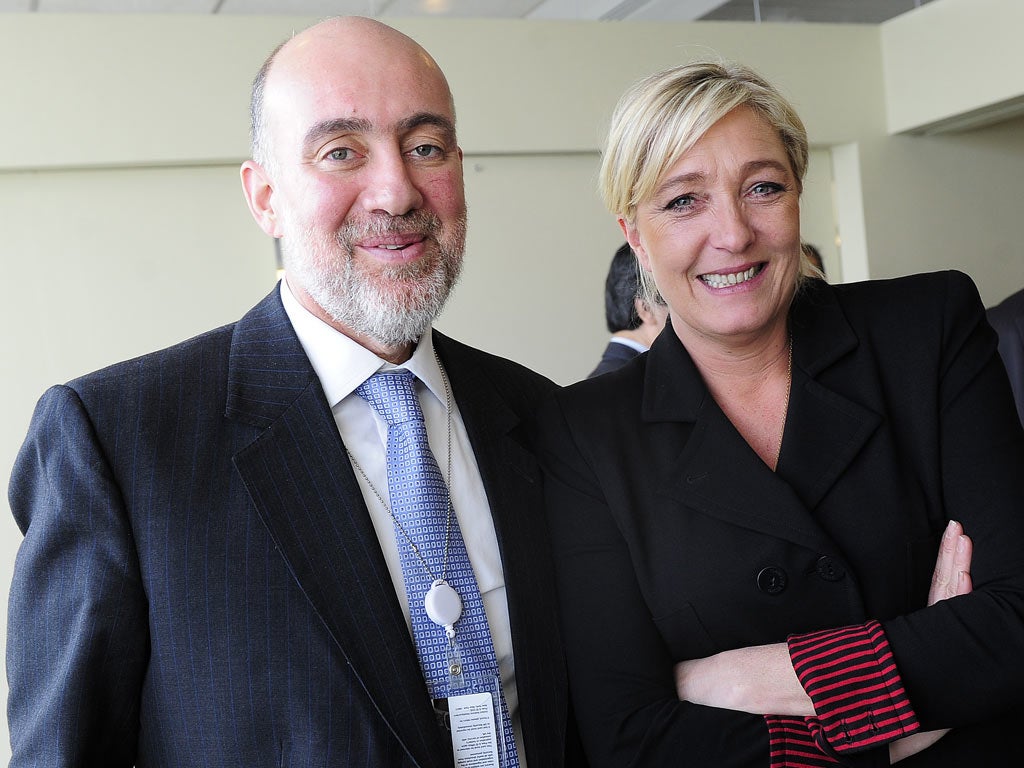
<point>357,171</point>
<point>338,49</point>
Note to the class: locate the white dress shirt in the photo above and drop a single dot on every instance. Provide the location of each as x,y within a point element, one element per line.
<point>629,343</point>
<point>342,365</point>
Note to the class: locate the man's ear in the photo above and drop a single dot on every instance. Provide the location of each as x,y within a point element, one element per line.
<point>643,311</point>
<point>633,238</point>
<point>259,195</point>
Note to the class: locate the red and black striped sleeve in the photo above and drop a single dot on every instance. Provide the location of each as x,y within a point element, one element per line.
<point>851,677</point>
<point>793,746</point>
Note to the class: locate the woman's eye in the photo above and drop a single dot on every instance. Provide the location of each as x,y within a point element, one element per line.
<point>682,202</point>
<point>766,188</point>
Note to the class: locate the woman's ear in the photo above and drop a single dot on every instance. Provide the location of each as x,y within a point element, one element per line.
<point>633,238</point>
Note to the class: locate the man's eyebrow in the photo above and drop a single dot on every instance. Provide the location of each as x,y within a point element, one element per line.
<point>428,118</point>
<point>327,128</point>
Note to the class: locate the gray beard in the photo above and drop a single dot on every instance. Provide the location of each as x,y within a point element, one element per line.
<point>394,306</point>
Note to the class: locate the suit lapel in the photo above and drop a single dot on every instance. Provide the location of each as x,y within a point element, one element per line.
<point>825,429</point>
<point>719,474</point>
<point>300,480</point>
<point>512,482</point>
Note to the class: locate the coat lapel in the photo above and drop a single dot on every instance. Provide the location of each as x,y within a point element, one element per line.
<point>512,482</point>
<point>300,480</point>
<point>719,474</point>
<point>825,430</point>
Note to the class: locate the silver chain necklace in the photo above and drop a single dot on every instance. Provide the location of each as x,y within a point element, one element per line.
<point>448,482</point>
<point>442,603</point>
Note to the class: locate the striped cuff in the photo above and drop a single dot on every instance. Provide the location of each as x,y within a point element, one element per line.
<point>792,745</point>
<point>857,692</point>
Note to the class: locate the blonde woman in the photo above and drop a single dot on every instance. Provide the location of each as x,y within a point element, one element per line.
<point>748,518</point>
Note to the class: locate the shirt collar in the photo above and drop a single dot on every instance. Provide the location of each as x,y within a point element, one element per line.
<point>629,343</point>
<point>342,364</point>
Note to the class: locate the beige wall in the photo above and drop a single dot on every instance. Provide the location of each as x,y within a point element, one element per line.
<point>954,63</point>
<point>124,228</point>
<point>947,201</point>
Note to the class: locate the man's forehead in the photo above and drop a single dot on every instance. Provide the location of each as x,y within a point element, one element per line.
<point>324,130</point>
<point>359,86</point>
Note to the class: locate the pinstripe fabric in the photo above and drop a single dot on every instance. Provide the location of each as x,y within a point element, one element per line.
<point>200,583</point>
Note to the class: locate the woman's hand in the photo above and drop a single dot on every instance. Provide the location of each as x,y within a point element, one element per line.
<point>952,577</point>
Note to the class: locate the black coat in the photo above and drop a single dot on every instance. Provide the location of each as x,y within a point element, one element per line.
<point>672,537</point>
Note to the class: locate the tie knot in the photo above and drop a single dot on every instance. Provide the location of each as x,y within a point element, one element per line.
<point>392,394</point>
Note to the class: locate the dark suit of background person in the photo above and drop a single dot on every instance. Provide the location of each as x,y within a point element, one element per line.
<point>201,582</point>
<point>615,355</point>
<point>729,554</point>
<point>1007,318</point>
<point>632,320</point>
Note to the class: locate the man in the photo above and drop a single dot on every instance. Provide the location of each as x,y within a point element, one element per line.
<point>1007,318</point>
<point>205,579</point>
<point>633,320</point>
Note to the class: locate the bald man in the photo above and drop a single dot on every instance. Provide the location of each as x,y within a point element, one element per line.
<point>211,572</point>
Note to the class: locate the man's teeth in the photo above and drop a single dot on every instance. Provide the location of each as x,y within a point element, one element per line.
<point>733,278</point>
<point>393,247</point>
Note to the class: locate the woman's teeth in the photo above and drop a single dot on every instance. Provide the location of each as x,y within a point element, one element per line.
<point>733,278</point>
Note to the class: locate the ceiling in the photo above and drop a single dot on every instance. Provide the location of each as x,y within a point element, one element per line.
<point>826,11</point>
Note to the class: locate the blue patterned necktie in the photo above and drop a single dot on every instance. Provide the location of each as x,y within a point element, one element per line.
<point>420,508</point>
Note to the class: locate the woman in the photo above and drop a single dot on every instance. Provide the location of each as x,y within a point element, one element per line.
<point>746,518</point>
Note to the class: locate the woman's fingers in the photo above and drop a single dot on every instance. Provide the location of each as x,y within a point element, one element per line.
<point>952,574</point>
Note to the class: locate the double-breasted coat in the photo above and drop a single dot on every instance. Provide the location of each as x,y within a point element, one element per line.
<point>674,541</point>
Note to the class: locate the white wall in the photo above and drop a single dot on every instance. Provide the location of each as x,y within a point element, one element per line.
<point>124,228</point>
<point>158,90</point>
<point>947,201</point>
<point>954,62</point>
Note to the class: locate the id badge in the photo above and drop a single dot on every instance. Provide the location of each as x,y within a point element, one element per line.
<point>474,719</point>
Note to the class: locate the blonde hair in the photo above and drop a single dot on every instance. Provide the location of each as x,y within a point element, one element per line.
<point>659,118</point>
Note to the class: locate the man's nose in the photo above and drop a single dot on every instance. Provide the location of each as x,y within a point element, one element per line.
<point>390,188</point>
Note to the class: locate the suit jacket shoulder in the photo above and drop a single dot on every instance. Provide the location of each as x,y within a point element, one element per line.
<point>614,356</point>
<point>513,382</point>
<point>1008,320</point>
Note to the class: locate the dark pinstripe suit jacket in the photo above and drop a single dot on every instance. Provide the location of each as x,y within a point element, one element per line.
<point>200,583</point>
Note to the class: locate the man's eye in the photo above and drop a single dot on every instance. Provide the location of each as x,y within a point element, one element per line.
<point>341,153</point>
<point>427,150</point>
